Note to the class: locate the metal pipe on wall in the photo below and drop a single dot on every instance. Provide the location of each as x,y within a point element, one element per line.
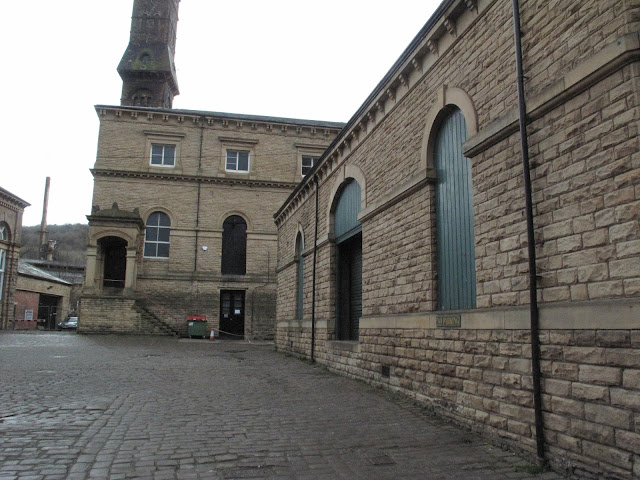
<point>533,283</point>
<point>313,286</point>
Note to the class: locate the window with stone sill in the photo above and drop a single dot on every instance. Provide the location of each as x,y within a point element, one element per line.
<point>237,161</point>
<point>163,155</point>
<point>308,161</point>
<point>157,235</point>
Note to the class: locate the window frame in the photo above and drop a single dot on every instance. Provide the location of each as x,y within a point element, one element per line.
<point>163,139</point>
<point>157,242</point>
<point>308,150</point>
<point>314,159</point>
<point>238,145</point>
<point>163,146</point>
<point>237,151</point>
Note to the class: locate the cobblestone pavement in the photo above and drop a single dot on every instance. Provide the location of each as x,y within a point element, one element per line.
<point>76,407</point>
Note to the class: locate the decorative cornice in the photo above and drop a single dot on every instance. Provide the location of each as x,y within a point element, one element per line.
<point>286,126</point>
<point>192,178</point>
<point>12,201</point>
<point>441,32</point>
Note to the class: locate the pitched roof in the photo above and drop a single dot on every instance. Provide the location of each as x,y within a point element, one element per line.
<point>25,268</point>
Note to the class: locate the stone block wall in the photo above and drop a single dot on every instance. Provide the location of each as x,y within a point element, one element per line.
<point>198,194</point>
<point>108,315</point>
<point>581,67</point>
<point>11,211</point>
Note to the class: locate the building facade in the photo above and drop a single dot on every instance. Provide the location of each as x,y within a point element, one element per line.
<point>11,210</point>
<point>42,299</point>
<point>403,256</point>
<point>182,223</point>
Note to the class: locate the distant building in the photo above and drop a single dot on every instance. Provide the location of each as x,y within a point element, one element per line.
<point>73,274</point>
<point>182,222</point>
<point>11,210</point>
<point>42,299</point>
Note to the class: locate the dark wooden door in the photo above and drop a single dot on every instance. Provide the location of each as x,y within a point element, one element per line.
<point>232,314</point>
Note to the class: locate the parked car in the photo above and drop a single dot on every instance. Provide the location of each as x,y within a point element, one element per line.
<point>70,323</point>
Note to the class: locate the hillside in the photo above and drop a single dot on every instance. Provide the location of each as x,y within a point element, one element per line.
<point>71,242</point>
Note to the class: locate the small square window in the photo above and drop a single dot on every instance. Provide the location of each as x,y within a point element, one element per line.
<point>238,160</point>
<point>307,163</point>
<point>163,155</point>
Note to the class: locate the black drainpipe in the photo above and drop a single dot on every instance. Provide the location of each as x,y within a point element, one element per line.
<point>313,286</point>
<point>533,284</point>
<point>195,256</point>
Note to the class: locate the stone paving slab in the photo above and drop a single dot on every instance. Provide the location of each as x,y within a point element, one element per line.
<point>98,407</point>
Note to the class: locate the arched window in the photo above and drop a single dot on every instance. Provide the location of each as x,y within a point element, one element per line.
<point>348,233</point>
<point>299,277</point>
<point>156,240</point>
<point>234,246</point>
<point>4,233</point>
<point>454,216</point>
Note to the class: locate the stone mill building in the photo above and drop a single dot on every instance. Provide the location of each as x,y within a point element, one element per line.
<point>471,238</point>
<point>183,200</point>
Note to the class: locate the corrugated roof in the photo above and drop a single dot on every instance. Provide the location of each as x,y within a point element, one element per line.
<point>25,268</point>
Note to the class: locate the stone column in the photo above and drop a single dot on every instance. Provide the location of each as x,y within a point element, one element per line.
<point>130,275</point>
<point>90,270</point>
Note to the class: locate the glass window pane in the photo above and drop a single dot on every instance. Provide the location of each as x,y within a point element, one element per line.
<point>163,234</point>
<point>156,154</point>
<point>243,161</point>
<point>231,160</point>
<point>153,219</point>
<point>152,234</point>
<point>149,249</point>
<point>163,249</point>
<point>169,154</point>
<point>163,219</point>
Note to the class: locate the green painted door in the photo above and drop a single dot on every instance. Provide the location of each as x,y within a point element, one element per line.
<point>454,217</point>
<point>348,232</point>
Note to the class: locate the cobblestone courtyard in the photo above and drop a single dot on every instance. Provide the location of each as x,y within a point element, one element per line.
<point>75,407</point>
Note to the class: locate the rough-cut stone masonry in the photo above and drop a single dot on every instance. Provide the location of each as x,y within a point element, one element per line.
<point>582,86</point>
<point>198,194</point>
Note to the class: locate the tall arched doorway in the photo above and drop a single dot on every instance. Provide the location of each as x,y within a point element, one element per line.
<point>114,254</point>
<point>234,246</point>
<point>454,216</point>
<point>348,233</point>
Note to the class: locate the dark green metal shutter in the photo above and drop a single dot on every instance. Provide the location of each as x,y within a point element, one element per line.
<point>355,287</point>
<point>348,232</point>
<point>300,277</point>
<point>454,214</point>
<point>346,215</point>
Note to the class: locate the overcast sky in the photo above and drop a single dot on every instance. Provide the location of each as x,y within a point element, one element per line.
<point>285,58</point>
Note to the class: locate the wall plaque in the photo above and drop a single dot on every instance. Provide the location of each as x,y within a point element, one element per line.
<point>448,321</point>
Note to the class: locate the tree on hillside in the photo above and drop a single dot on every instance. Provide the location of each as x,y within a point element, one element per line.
<point>71,242</point>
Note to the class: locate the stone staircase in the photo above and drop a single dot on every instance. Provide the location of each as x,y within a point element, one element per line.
<point>150,324</point>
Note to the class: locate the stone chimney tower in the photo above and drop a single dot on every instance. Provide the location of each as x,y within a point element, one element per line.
<point>147,69</point>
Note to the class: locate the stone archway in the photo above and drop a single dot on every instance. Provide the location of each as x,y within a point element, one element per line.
<point>113,251</point>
